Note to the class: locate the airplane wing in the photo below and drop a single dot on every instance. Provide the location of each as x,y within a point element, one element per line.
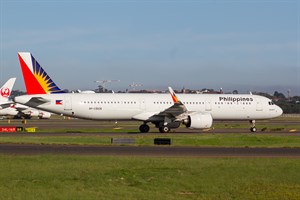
<point>5,105</point>
<point>176,112</point>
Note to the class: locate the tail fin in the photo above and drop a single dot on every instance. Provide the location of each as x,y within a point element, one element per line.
<point>6,89</point>
<point>35,77</point>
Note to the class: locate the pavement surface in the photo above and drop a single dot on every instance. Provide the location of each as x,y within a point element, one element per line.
<point>159,151</point>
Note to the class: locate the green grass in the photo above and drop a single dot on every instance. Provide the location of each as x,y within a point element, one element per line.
<point>207,139</point>
<point>133,127</point>
<point>266,127</point>
<point>92,177</point>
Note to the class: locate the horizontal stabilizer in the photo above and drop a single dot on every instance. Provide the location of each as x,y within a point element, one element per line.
<point>31,101</point>
<point>6,105</point>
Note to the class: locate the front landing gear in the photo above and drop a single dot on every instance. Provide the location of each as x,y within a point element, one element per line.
<point>253,128</point>
<point>144,128</point>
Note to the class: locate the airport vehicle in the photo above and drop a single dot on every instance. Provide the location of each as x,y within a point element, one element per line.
<point>166,111</point>
<point>9,108</point>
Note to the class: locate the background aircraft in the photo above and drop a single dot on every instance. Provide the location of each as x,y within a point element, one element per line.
<point>5,92</point>
<point>166,111</point>
<point>9,108</point>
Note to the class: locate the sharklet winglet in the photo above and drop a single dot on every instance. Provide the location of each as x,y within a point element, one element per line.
<point>173,95</point>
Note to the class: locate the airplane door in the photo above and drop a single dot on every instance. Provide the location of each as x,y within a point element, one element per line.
<point>207,105</point>
<point>68,103</point>
<point>142,104</point>
<point>259,106</point>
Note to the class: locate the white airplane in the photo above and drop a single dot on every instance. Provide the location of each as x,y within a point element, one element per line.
<point>166,111</point>
<point>9,108</point>
<point>20,111</point>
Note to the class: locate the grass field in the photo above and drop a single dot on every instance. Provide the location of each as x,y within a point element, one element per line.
<point>132,127</point>
<point>92,177</point>
<point>142,178</point>
<point>104,177</point>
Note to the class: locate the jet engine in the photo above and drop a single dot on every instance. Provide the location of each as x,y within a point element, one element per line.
<point>32,113</point>
<point>198,120</point>
<point>44,115</point>
<point>8,111</point>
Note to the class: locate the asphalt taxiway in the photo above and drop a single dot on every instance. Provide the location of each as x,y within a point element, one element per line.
<point>159,151</point>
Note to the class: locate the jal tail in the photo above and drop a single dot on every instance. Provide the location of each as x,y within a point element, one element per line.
<point>37,81</point>
<point>6,89</point>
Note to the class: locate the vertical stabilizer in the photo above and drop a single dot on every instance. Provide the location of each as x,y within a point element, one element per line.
<point>6,89</point>
<point>35,77</point>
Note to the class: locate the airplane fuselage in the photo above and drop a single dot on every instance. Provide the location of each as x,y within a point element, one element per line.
<point>103,106</point>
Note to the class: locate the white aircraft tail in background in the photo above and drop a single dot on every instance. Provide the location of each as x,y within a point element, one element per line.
<point>9,108</point>
<point>6,89</point>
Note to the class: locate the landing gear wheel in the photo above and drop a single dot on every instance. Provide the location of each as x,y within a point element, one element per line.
<point>144,128</point>
<point>253,129</point>
<point>164,129</point>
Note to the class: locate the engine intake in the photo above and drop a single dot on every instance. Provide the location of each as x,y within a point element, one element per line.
<point>199,120</point>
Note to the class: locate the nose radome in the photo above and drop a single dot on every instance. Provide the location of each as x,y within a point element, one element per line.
<point>279,111</point>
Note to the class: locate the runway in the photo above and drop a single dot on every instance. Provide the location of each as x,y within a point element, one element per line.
<point>157,151</point>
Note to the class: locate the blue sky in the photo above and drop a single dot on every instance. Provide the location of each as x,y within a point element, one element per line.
<point>244,45</point>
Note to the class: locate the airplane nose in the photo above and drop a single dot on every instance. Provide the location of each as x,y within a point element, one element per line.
<point>279,111</point>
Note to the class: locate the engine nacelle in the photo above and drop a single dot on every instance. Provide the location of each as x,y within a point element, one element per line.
<point>199,120</point>
<point>32,113</point>
<point>8,111</point>
<point>44,115</point>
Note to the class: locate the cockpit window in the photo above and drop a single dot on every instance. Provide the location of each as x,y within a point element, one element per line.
<point>271,103</point>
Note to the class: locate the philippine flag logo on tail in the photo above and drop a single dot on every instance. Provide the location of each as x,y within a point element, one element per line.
<point>59,102</point>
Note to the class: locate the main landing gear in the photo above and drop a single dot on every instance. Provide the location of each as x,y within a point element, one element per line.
<point>253,128</point>
<point>164,129</point>
<point>144,128</point>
